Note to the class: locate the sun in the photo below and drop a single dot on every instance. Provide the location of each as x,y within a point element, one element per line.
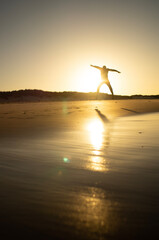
<point>88,79</point>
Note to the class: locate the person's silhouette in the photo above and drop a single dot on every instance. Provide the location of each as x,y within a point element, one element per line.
<point>104,76</point>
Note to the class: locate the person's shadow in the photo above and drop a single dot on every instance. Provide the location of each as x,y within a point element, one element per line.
<point>108,125</point>
<point>102,116</point>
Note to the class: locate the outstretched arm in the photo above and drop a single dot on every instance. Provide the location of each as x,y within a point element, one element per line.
<point>113,70</point>
<point>96,67</point>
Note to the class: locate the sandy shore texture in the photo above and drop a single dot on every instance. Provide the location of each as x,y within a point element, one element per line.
<point>36,118</point>
<point>79,170</point>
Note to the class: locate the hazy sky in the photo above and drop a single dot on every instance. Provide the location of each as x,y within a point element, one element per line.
<point>49,45</point>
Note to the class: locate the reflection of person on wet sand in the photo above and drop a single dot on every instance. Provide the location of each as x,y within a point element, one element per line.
<point>104,76</point>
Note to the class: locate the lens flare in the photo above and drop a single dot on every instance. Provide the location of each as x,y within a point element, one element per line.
<point>66,160</point>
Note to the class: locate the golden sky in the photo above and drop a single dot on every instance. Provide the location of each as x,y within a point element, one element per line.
<point>50,45</point>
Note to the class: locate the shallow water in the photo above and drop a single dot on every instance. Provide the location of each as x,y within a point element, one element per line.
<point>97,181</point>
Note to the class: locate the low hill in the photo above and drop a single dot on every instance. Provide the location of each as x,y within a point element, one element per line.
<point>28,95</point>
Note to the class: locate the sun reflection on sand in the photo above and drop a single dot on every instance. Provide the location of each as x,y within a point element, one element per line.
<point>96,131</point>
<point>92,203</point>
<point>98,163</point>
<point>95,212</point>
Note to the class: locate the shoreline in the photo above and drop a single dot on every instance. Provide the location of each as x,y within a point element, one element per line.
<point>43,118</point>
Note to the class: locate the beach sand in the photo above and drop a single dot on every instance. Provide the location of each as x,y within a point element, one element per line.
<point>79,170</point>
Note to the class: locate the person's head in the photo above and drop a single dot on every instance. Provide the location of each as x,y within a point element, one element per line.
<point>104,67</point>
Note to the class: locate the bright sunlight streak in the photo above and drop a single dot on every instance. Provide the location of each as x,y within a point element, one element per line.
<point>96,129</point>
<point>96,133</point>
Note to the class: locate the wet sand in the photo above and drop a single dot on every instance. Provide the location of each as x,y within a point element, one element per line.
<point>79,170</point>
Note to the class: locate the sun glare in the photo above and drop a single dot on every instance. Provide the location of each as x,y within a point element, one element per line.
<point>88,80</point>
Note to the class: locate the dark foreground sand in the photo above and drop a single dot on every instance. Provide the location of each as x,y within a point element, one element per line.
<point>68,171</point>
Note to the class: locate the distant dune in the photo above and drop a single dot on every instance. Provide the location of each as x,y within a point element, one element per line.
<point>35,95</point>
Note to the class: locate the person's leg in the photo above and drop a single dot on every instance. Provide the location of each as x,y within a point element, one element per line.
<point>110,88</point>
<point>108,84</point>
<point>99,88</point>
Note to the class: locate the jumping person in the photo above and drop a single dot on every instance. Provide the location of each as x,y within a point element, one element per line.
<point>104,76</point>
